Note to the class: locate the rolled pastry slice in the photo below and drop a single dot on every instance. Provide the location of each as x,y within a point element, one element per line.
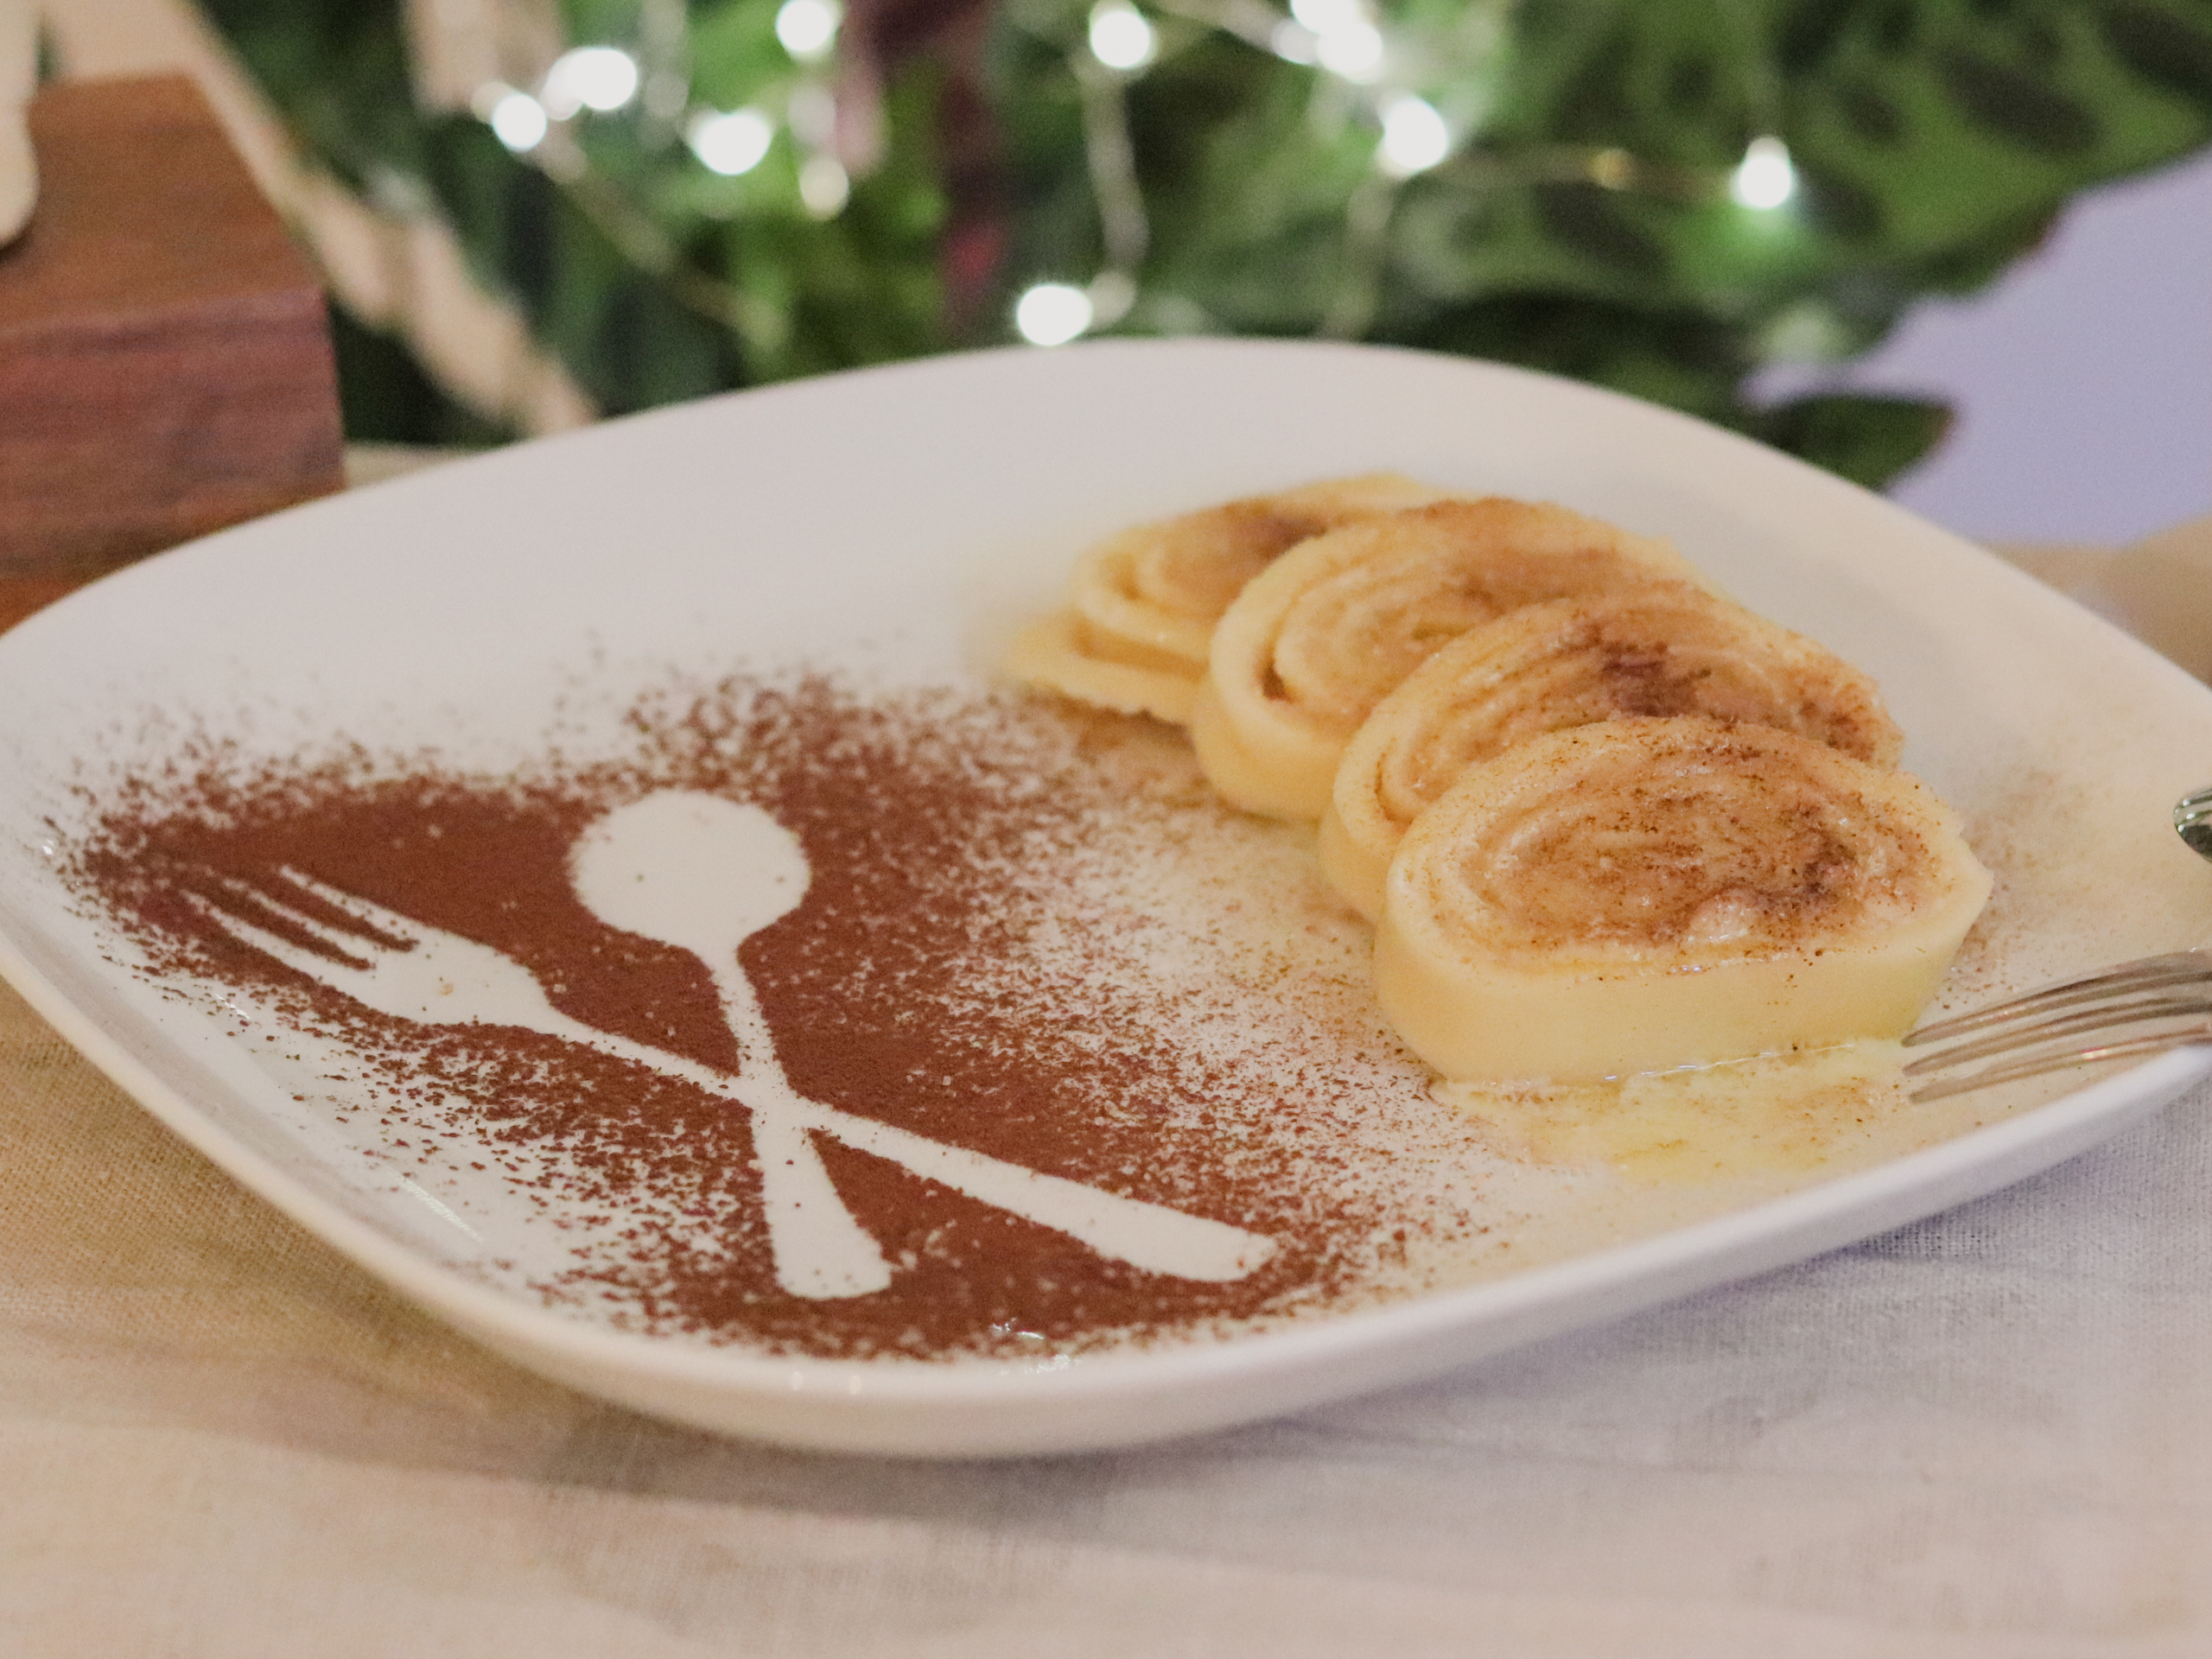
<point>1320,638</point>
<point>1163,586</point>
<point>1063,652</point>
<point>1641,894</point>
<point>1568,662</point>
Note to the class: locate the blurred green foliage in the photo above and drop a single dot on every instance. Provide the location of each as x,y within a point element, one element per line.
<point>1584,227</point>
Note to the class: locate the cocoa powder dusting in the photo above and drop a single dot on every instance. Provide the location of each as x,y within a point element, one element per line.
<point>948,972</point>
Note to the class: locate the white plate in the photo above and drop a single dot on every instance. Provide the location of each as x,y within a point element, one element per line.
<point>903,520</point>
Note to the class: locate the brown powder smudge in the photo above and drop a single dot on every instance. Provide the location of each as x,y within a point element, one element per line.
<point>922,983</point>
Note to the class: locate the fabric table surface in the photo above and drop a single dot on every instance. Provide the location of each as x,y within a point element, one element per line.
<point>1984,1434</point>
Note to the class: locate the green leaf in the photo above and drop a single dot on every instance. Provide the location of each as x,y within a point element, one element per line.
<point>2018,106</point>
<point>1584,225</point>
<point>2171,52</point>
<point>1867,440</point>
<point>385,398</point>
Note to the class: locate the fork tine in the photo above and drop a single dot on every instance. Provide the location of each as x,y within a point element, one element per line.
<point>2079,1022</point>
<point>336,938</point>
<point>297,958</point>
<point>390,923</point>
<point>2165,1002</point>
<point>2032,1065</point>
<point>2182,967</point>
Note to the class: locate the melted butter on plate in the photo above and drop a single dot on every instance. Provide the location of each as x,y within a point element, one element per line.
<point>1772,1114</point>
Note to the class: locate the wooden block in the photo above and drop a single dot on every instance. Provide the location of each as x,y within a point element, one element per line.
<point>21,595</point>
<point>165,358</point>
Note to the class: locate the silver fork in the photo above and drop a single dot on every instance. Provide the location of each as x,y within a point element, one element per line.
<point>2137,1008</point>
<point>411,970</point>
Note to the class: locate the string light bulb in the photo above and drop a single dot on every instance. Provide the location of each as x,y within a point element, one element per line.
<point>1356,54</point>
<point>600,78</point>
<point>1121,37</point>
<point>1346,40</point>
<point>1766,177</point>
<point>808,29</point>
<point>730,143</point>
<point>517,120</point>
<point>1414,137</point>
<point>1051,313</point>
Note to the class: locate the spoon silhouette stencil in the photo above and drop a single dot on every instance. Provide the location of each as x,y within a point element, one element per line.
<point>704,875</point>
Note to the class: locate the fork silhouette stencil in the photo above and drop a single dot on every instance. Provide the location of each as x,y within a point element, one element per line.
<point>410,970</point>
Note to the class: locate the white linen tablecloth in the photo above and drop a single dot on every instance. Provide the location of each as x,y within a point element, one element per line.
<point>1989,1434</point>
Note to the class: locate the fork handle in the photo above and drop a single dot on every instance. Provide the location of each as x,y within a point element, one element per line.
<point>1150,1236</point>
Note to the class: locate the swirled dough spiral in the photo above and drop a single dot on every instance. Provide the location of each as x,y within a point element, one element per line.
<point>1568,663</point>
<point>1164,585</point>
<point>1638,894</point>
<point>1321,636</point>
<point>1063,652</point>
<point>1147,600</point>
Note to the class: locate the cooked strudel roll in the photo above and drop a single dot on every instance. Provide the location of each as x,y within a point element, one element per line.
<point>1640,894</point>
<point>1145,600</point>
<point>1064,652</point>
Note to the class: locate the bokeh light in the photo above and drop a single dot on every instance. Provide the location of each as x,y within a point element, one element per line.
<point>1051,313</point>
<point>733,142</point>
